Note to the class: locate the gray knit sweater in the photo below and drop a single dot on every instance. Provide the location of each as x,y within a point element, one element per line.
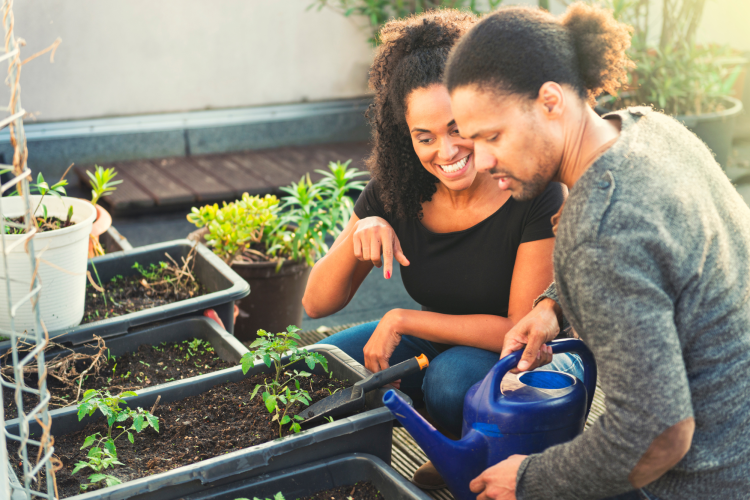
<point>652,269</point>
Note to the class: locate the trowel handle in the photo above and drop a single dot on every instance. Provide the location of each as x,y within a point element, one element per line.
<point>383,377</point>
<point>574,346</point>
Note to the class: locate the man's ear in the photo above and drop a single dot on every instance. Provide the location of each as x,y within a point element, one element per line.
<point>552,99</point>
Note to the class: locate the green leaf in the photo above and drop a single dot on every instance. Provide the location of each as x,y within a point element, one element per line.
<point>256,343</point>
<point>247,362</point>
<point>153,420</point>
<point>110,446</point>
<point>286,420</point>
<point>83,409</point>
<point>130,437</point>
<point>255,391</point>
<point>296,427</point>
<point>88,441</point>
<point>278,496</point>
<point>95,478</point>
<point>79,466</point>
<point>122,416</point>
<point>267,360</point>
<point>297,417</point>
<point>113,481</point>
<point>294,335</point>
<point>310,362</point>
<point>138,423</point>
<point>128,394</point>
<point>270,403</point>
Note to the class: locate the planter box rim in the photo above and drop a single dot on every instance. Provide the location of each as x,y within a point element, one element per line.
<point>360,462</point>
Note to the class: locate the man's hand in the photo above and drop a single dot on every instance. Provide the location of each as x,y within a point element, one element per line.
<point>499,481</point>
<point>541,325</point>
<point>373,235</point>
<point>382,343</point>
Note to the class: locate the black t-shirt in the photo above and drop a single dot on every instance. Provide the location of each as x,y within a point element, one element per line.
<point>469,271</point>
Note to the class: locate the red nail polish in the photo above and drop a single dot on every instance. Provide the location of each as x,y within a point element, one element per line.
<point>387,275</point>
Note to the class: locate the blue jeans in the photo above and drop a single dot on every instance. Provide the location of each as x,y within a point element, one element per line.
<point>443,385</point>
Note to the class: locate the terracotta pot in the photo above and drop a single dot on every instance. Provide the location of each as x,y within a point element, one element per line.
<point>101,225</point>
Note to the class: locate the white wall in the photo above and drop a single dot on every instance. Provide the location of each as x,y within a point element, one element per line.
<point>122,57</point>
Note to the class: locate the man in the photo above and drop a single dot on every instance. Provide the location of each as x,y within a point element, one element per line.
<point>652,261</point>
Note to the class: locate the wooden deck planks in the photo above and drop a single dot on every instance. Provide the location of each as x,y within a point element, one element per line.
<point>181,182</point>
<point>162,187</point>
<point>207,188</point>
<point>232,174</point>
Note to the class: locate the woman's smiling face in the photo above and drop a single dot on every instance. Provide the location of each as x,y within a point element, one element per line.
<point>434,133</point>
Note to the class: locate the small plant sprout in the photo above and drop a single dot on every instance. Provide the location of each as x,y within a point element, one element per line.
<point>103,452</point>
<point>101,182</point>
<point>277,496</point>
<point>280,397</point>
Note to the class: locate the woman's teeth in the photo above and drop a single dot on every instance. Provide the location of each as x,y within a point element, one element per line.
<point>455,167</point>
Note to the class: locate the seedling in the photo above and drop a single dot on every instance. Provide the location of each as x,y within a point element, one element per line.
<point>104,452</point>
<point>101,183</point>
<point>277,396</point>
<point>277,496</point>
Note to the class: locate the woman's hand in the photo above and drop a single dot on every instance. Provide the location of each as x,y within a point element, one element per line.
<point>373,236</point>
<point>382,343</point>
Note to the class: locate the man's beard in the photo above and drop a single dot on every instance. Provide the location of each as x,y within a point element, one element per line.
<point>533,188</point>
<point>543,176</point>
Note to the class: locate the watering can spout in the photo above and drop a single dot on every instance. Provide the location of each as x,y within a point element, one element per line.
<point>443,452</point>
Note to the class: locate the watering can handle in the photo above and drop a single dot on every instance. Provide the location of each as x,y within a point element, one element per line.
<point>574,346</point>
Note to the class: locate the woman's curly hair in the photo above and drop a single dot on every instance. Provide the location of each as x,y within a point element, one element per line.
<point>412,56</point>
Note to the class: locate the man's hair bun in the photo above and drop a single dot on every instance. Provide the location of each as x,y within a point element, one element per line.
<point>601,43</point>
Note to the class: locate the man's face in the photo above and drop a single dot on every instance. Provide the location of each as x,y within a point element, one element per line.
<point>513,140</point>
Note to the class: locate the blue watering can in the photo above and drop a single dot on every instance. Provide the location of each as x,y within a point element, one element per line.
<point>539,410</point>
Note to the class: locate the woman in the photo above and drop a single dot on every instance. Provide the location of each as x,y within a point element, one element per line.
<point>471,256</point>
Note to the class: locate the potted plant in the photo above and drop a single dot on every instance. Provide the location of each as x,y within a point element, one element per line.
<point>102,184</point>
<point>273,243</point>
<point>60,228</point>
<point>692,82</point>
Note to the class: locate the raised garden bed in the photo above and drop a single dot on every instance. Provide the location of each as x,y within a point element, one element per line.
<point>359,476</point>
<point>223,287</point>
<point>369,432</point>
<point>145,358</point>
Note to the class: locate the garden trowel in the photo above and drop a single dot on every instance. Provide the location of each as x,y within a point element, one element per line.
<point>352,398</point>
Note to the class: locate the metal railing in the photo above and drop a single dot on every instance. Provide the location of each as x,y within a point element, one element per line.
<point>30,467</point>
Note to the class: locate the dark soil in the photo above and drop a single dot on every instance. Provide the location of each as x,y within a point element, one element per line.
<point>50,224</point>
<point>197,428</point>
<point>357,491</point>
<point>128,294</point>
<point>148,366</point>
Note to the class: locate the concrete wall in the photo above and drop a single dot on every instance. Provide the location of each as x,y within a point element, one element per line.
<point>129,57</point>
<point>126,57</point>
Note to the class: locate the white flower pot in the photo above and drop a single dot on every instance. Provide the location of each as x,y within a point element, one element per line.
<point>62,255</point>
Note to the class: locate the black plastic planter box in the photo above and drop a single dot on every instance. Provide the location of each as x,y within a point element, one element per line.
<point>366,432</point>
<point>224,287</point>
<point>308,479</point>
<point>225,345</point>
